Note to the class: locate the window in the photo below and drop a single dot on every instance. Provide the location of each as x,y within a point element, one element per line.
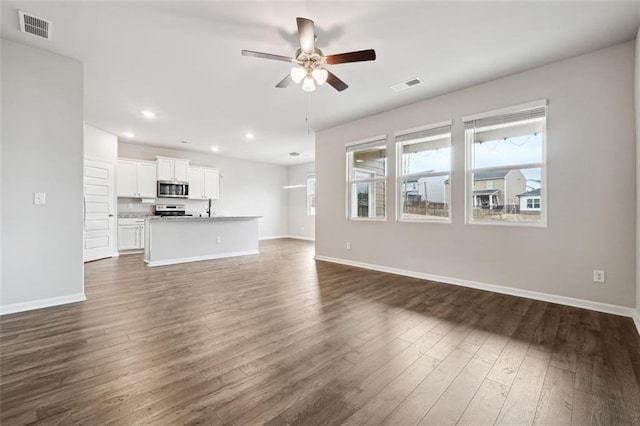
<point>506,165</point>
<point>533,203</point>
<point>367,173</point>
<point>311,194</point>
<point>424,167</point>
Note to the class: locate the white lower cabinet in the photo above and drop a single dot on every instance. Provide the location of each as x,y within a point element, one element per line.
<point>130,234</point>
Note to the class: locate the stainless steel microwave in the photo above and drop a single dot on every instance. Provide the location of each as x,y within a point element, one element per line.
<point>173,189</point>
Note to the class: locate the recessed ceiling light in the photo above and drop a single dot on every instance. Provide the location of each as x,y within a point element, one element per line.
<point>215,149</point>
<point>128,135</point>
<point>249,136</point>
<point>148,114</point>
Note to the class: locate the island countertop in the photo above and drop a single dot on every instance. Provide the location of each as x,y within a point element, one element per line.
<point>190,218</point>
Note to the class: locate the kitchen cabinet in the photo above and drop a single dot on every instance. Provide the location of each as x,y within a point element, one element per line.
<point>130,234</point>
<point>136,179</point>
<point>204,183</point>
<point>172,169</point>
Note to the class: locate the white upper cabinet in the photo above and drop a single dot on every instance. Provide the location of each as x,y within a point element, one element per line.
<point>173,169</point>
<point>127,179</point>
<point>196,183</point>
<point>211,184</point>
<point>181,170</point>
<point>136,179</point>
<point>204,183</point>
<point>165,169</point>
<point>147,187</point>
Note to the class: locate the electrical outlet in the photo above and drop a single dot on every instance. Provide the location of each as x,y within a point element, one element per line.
<point>348,246</point>
<point>598,276</point>
<point>218,240</point>
<point>39,198</point>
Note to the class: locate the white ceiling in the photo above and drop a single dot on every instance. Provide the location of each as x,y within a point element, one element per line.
<point>182,60</point>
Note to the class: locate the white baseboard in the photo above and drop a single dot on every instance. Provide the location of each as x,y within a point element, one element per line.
<point>199,258</point>
<point>42,303</point>
<point>127,252</point>
<point>299,237</point>
<point>295,237</point>
<point>545,297</point>
<point>636,318</point>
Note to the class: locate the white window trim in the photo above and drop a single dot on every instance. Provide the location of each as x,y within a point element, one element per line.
<point>349,161</point>
<point>468,136</point>
<point>422,128</point>
<point>400,177</point>
<point>506,110</point>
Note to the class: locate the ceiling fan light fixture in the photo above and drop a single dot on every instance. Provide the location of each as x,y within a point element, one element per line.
<point>320,75</point>
<point>297,74</point>
<point>308,85</point>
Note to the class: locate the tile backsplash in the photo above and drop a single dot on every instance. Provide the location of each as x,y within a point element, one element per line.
<point>134,207</point>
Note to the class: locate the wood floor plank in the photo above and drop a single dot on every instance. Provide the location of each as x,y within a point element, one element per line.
<point>555,404</point>
<point>485,406</point>
<point>453,402</point>
<point>424,396</point>
<point>280,339</point>
<point>522,400</point>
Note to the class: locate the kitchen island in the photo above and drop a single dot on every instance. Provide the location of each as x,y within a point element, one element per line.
<point>181,239</point>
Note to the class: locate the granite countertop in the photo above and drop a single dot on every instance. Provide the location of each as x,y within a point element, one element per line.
<point>133,215</point>
<point>192,218</point>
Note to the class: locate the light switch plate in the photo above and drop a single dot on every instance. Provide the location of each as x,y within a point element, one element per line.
<point>39,198</point>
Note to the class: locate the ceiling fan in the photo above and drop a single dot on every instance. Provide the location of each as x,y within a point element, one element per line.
<point>310,61</point>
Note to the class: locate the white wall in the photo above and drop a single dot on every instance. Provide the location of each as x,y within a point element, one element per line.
<point>42,151</point>
<point>637,84</point>
<point>591,187</point>
<point>100,145</point>
<point>246,187</point>
<point>301,225</point>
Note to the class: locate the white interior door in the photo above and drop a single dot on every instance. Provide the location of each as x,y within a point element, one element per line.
<point>99,208</point>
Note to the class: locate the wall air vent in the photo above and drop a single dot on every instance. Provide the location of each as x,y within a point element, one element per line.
<point>412,82</point>
<point>35,26</point>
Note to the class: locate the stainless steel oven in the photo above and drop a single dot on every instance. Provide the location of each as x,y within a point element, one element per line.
<point>171,210</point>
<point>173,189</point>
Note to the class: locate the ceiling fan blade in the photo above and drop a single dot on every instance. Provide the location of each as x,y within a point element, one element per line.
<point>307,35</point>
<point>334,81</point>
<point>267,56</point>
<point>359,56</point>
<point>285,82</point>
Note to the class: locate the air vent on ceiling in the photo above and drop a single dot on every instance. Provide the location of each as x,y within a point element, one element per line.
<point>33,25</point>
<point>412,82</point>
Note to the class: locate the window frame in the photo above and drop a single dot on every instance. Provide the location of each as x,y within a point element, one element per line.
<point>469,170</point>
<point>351,148</point>
<point>400,177</point>
<point>311,176</point>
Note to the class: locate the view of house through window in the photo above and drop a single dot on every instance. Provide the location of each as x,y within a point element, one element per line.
<point>424,166</point>
<point>506,167</point>
<point>311,194</point>
<point>367,163</point>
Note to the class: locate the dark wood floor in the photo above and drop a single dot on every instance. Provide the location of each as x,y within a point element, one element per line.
<point>282,339</point>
